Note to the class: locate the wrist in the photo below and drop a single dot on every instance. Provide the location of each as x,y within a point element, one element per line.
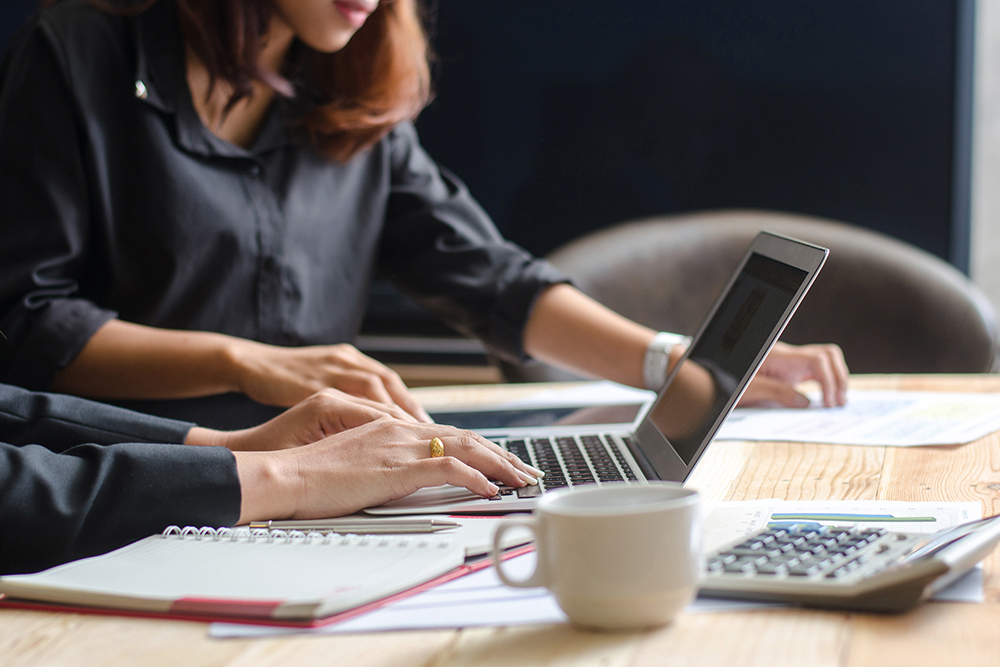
<point>269,486</point>
<point>205,437</point>
<point>233,360</point>
<point>662,351</point>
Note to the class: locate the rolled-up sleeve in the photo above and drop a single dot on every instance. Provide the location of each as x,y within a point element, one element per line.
<point>44,198</point>
<point>441,248</point>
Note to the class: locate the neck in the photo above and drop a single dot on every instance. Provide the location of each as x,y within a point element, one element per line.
<point>277,42</point>
<point>241,124</point>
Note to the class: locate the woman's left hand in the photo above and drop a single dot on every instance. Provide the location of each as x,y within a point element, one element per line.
<point>788,365</point>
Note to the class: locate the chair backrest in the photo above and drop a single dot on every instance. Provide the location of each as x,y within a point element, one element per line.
<point>893,308</point>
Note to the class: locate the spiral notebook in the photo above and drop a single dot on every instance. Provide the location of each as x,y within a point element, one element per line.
<point>238,574</point>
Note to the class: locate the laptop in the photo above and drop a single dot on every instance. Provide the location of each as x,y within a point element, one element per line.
<point>673,432</point>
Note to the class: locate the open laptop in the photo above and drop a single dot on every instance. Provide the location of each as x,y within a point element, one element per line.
<point>666,442</point>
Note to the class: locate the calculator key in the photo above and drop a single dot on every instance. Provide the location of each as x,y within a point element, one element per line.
<point>769,553</point>
<point>821,565</point>
<point>741,567</point>
<point>772,568</point>
<point>751,544</point>
<point>804,570</point>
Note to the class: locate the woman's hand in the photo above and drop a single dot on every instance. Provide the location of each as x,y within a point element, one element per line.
<point>788,365</point>
<point>321,415</point>
<point>370,465</point>
<point>285,375</point>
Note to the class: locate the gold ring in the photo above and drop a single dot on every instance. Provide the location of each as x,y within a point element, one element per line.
<point>437,448</point>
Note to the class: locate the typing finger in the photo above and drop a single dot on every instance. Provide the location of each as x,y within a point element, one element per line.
<point>492,462</point>
<point>450,470</point>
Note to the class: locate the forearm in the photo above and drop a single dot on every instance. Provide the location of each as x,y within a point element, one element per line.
<point>569,329</point>
<point>124,360</point>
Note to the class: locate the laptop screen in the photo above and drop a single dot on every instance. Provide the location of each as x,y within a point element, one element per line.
<point>724,353</point>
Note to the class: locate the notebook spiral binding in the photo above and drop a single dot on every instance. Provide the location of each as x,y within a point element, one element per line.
<point>298,537</point>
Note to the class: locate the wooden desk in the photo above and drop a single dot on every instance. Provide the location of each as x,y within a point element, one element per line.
<point>945,634</point>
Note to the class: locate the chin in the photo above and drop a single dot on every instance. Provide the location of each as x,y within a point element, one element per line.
<point>330,43</point>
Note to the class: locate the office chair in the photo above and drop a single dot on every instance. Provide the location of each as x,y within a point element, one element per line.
<point>892,308</point>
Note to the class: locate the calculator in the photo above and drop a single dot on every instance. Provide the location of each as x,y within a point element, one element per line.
<point>857,568</point>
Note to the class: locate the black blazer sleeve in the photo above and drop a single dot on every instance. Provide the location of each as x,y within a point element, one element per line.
<point>68,500</point>
<point>58,422</point>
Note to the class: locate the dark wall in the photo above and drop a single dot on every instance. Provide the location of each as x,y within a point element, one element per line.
<point>564,117</point>
<point>12,14</point>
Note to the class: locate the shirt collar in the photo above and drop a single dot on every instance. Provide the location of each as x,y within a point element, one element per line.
<point>161,82</point>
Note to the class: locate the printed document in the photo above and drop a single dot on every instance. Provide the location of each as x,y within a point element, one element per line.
<point>874,418</point>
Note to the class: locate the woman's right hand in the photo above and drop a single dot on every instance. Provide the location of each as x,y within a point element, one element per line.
<point>284,376</point>
<point>370,465</point>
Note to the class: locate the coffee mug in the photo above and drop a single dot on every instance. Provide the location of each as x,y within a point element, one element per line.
<point>616,556</point>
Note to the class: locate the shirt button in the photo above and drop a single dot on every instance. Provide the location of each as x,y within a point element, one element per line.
<point>140,90</point>
<point>254,170</point>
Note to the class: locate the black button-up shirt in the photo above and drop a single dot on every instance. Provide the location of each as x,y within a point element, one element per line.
<point>116,200</point>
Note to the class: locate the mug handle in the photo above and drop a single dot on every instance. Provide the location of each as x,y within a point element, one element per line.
<point>537,577</point>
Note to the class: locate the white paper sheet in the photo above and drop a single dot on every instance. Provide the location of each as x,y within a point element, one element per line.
<point>476,600</point>
<point>874,418</point>
<point>480,599</point>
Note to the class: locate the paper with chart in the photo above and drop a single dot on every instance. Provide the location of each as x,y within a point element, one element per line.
<point>874,418</point>
<point>480,599</point>
<point>728,521</point>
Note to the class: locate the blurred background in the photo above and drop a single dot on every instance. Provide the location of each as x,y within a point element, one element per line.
<point>568,116</point>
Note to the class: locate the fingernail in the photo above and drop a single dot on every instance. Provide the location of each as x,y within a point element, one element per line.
<point>527,478</point>
<point>801,401</point>
<point>494,489</point>
<point>535,471</point>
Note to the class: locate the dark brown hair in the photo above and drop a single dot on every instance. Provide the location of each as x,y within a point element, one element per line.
<point>347,100</point>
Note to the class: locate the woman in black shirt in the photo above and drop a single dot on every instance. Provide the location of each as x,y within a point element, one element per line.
<point>195,197</point>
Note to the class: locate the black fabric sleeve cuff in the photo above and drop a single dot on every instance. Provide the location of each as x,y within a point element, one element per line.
<point>55,336</point>
<point>92,499</point>
<point>514,305</point>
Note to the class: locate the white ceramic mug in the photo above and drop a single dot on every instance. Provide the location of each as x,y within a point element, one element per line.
<point>616,556</point>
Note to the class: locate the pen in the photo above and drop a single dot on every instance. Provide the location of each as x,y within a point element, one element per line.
<point>360,526</point>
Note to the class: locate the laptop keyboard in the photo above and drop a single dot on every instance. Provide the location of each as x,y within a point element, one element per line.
<point>572,460</point>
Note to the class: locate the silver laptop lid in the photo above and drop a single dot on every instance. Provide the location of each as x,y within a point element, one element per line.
<point>742,327</point>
